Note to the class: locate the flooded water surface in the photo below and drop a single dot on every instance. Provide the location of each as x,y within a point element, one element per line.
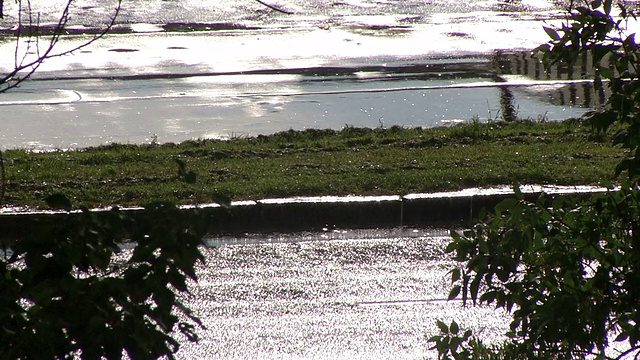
<point>337,295</point>
<point>181,69</point>
<point>177,70</point>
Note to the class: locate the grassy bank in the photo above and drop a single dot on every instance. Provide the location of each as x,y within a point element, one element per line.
<point>317,162</point>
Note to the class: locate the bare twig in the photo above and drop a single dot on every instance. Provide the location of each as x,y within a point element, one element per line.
<point>275,8</point>
<point>24,68</point>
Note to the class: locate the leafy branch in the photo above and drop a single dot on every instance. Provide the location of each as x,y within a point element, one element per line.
<point>566,269</point>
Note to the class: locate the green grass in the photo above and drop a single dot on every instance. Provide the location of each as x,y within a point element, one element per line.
<point>317,162</point>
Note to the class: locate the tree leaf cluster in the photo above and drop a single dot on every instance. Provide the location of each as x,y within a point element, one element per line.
<point>101,284</point>
<point>593,31</point>
<point>566,269</point>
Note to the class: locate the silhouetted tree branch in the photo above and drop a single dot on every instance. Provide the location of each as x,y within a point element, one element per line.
<point>274,8</point>
<point>34,45</point>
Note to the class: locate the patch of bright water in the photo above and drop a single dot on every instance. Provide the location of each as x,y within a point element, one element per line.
<point>333,295</point>
<point>337,294</point>
<point>178,71</point>
<point>85,112</point>
<point>327,235</point>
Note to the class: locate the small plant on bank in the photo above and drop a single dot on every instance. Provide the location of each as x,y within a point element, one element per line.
<point>566,269</point>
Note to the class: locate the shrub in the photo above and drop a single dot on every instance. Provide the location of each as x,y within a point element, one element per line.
<point>566,269</point>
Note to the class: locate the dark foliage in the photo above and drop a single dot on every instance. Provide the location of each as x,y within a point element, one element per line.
<point>70,289</point>
<point>567,270</point>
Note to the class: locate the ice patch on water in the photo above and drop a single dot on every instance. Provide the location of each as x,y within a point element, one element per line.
<point>145,28</point>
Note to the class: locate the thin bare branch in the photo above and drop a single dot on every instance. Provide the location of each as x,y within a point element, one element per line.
<point>275,8</point>
<point>24,69</point>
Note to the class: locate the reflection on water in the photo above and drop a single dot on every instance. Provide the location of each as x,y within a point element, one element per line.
<point>576,88</point>
<point>332,295</point>
<point>77,111</point>
<point>364,63</point>
<point>509,109</point>
<point>328,234</point>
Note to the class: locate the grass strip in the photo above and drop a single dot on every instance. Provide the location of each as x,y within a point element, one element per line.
<point>357,161</point>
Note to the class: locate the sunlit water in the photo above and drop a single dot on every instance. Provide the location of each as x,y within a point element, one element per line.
<point>334,295</point>
<point>179,70</point>
<point>339,294</point>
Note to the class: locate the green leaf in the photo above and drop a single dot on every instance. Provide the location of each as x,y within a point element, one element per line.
<point>181,167</point>
<point>454,328</point>
<point>473,288</point>
<point>443,327</point>
<point>455,291</point>
<point>553,34</point>
<point>455,275</point>
<point>177,280</point>
<point>605,72</point>
<point>507,204</point>
<point>452,246</point>
<point>623,11</point>
<point>607,6</point>
<point>488,297</point>
<point>544,49</point>
<point>630,40</point>
<point>189,331</point>
<point>517,191</point>
<point>454,344</point>
<point>465,288</point>
<point>622,166</point>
